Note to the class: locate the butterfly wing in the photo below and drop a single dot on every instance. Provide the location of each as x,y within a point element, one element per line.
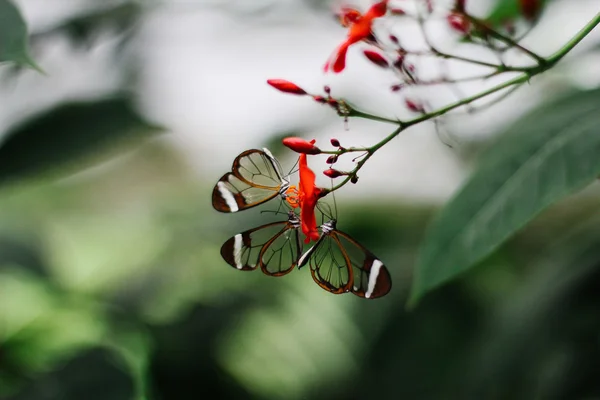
<point>231,194</point>
<point>281,253</point>
<point>340,264</point>
<point>329,265</point>
<point>255,178</point>
<point>371,277</point>
<point>274,247</point>
<point>260,169</point>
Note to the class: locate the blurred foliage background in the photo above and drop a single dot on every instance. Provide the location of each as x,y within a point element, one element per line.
<point>112,285</point>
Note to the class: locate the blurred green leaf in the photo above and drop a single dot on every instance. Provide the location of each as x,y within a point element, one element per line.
<point>545,156</point>
<point>62,136</point>
<point>507,10</point>
<point>13,36</point>
<point>82,29</point>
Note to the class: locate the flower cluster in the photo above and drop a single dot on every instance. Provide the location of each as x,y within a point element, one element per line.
<point>391,53</point>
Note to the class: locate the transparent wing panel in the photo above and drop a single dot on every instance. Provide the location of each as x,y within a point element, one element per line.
<point>371,277</point>
<point>242,251</point>
<point>232,194</point>
<point>258,168</point>
<point>330,266</point>
<point>280,255</point>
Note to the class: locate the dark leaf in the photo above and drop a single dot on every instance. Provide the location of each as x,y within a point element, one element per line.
<point>61,137</point>
<point>545,156</point>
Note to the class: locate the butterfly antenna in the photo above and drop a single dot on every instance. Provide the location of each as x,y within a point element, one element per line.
<point>273,211</point>
<point>335,209</point>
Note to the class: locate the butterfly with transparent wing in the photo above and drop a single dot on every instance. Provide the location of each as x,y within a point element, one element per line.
<point>255,178</point>
<point>339,264</point>
<point>275,247</point>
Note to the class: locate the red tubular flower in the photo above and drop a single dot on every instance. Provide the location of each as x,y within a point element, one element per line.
<point>309,194</point>
<point>286,86</point>
<point>376,58</point>
<point>360,29</point>
<point>300,145</point>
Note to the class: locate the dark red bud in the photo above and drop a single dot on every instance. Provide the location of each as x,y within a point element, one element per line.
<point>354,179</point>
<point>326,89</point>
<point>530,8</point>
<point>397,88</point>
<point>300,145</point>
<point>320,99</point>
<point>333,173</point>
<point>413,106</point>
<point>376,58</point>
<point>459,22</point>
<point>397,11</point>
<point>332,159</point>
<point>394,39</point>
<point>286,86</point>
<point>399,62</point>
<point>335,142</point>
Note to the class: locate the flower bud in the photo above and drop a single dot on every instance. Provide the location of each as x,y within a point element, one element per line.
<point>399,62</point>
<point>333,173</point>
<point>394,39</point>
<point>397,87</point>
<point>300,145</point>
<point>286,86</point>
<point>320,99</point>
<point>413,106</point>
<point>397,11</point>
<point>332,159</point>
<point>530,9</point>
<point>354,179</point>
<point>376,58</point>
<point>459,22</point>
<point>335,142</point>
<point>327,89</point>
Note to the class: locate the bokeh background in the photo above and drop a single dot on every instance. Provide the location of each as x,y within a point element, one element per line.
<point>111,281</point>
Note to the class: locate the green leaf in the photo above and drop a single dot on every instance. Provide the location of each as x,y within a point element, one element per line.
<point>62,138</point>
<point>543,157</point>
<point>13,36</point>
<point>83,29</point>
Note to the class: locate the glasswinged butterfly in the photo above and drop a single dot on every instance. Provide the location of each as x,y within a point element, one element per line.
<point>340,264</point>
<point>255,178</point>
<point>274,248</point>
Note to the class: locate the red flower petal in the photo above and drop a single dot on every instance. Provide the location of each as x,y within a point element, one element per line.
<point>300,145</point>
<point>286,86</point>
<point>309,195</point>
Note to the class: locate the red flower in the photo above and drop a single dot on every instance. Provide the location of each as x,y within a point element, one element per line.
<point>300,145</point>
<point>360,29</point>
<point>286,86</point>
<point>309,194</point>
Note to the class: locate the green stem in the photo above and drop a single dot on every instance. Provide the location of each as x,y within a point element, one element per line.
<point>589,27</point>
